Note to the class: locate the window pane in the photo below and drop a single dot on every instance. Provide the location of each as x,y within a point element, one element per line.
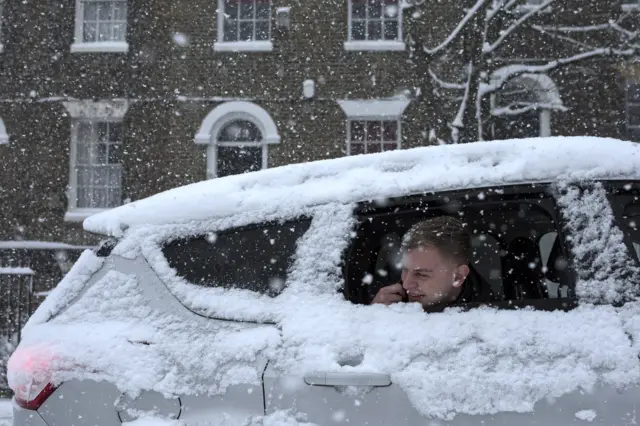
<point>119,32</point>
<point>90,11</point>
<point>104,31</point>
<point>105,11</point>
<point>391,10</point>
<point>373,147</point>
<point>246,31</point>
<point>231,9</point>
<point>246,9</point>
<point>357,130</point>
<point>100,176</point>
<point>120,11</point>
<point>375,30</point>
<point>389,146</point>
<point>262,9</point>
<point>357,148</point>
<point>359,9</point>
<point>391,30</point>
<point>375,9</point>
<point>262,30</point>
<point>240,131</point>
<point>115,177</point>
<point>84,131</point>
<point>230,30</point>
<point>633,134</point>
<point>101,151</point>
<point>390,130</point>
<point>83,152</point>
<point>89,32</point>
<point>252,258</point>
<point>114,197</point>
<point>115,132</point>
<point>358,30</point>
<point>374,131</point>
<point>83,176</point>
<point>237,160</point>
<point>82,198</point>
<point>103,131</point>
<point>115,156</point>
<point>100,198</point>
<point>633,115</point>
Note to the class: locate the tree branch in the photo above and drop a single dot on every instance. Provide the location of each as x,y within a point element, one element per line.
<point>508,31</point>
<point>444,84</point>
<point>454,34</point>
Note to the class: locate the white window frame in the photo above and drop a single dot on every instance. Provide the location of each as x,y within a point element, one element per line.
<point>374,45</point>
<point>631,5</point>
<point>241,46</point>
<point>224,114</point>
<point>373,110</point>
<point>4,137</point>
<point>83,111</point>
<point>397,120</point>
<point>2,4</point>
<point>80,46</point>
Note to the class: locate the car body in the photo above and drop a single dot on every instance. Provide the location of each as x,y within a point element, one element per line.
<point>246,299</point>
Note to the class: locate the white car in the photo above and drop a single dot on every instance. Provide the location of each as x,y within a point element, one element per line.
<point>247,299</point>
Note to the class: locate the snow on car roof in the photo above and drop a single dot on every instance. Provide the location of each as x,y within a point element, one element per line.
<point>357,178</point>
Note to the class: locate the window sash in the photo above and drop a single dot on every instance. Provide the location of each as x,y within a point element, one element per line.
<point>373,28</point>
<point>372,140</point>
<point>97,165</point>
<point>237,26</point>
<point>94,25</point>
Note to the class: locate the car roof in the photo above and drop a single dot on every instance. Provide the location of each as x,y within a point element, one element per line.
<point>390,174</point>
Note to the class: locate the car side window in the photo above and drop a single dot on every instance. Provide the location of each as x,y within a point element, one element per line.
<point>255,258</point>
<point>516,248</point>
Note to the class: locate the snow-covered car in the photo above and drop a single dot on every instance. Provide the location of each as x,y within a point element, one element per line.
<point>247,299</point>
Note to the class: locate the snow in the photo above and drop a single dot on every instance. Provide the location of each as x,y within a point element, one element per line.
<point>39,245</point>
<point>483,361</point>
<point>587,415</point>
<point>350,179</point>
<point>15,271</point>
<point>6,412</point>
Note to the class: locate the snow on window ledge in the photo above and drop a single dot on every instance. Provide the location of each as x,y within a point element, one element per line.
<point>628,7</point>
<point>102,46</point>
<point>373,45</point>
<point>79,215</point>
<point>243,46</point>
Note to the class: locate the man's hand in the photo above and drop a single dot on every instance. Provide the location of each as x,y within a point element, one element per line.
<point>390,294</point>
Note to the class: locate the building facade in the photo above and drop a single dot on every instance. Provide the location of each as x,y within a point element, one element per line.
<point>104,102</point>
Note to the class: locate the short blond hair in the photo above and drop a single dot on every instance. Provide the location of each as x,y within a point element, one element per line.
<point>446,233</point>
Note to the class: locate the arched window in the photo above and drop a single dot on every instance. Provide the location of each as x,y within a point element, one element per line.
<point>522,108</point>
<point>237,135</point>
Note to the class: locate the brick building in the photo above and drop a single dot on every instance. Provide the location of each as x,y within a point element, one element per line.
<point>105,102</point>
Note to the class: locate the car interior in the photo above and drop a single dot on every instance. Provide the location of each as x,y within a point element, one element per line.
<point>515,246</point>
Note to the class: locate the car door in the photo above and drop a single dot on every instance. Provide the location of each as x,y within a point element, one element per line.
<point>497,217</point>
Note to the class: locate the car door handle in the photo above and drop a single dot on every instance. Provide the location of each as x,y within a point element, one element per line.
<point>348,379</point>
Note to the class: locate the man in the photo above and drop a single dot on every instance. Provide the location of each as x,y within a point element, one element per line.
<point>435,267</point>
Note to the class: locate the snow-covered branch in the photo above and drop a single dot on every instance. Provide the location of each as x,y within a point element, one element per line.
<point>513,110</point>
<point>443,84</point>
<point>456,32</point>
<point>458,122</point>
<point>504,34</point>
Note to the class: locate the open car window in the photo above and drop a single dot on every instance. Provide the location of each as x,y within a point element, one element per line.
<point>517,249</point>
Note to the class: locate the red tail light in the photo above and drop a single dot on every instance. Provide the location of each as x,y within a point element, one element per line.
<point>29,378</point>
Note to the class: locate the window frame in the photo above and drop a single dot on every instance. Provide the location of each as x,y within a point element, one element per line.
<point>212,148</point>
<point>628,103</point>
<point>374,45</point>
<point>382,141</point>
<point>525,192</point>
<point>630,5</point>
<point>81,46</point>
<point>220,45</point>
<point>88,111</point>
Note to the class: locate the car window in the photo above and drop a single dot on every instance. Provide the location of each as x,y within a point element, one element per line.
<point>625,202</point>
<point>255,258</point>
<point>516,250</point>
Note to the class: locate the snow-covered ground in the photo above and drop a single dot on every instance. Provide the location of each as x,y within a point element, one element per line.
<point>5,412</point>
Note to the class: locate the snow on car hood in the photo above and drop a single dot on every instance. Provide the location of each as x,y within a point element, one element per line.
<point>386,174</point>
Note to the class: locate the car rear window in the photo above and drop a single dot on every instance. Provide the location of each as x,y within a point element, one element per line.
<point>255,258</point>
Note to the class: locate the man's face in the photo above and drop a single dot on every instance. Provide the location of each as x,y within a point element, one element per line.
<point>430,278</point>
